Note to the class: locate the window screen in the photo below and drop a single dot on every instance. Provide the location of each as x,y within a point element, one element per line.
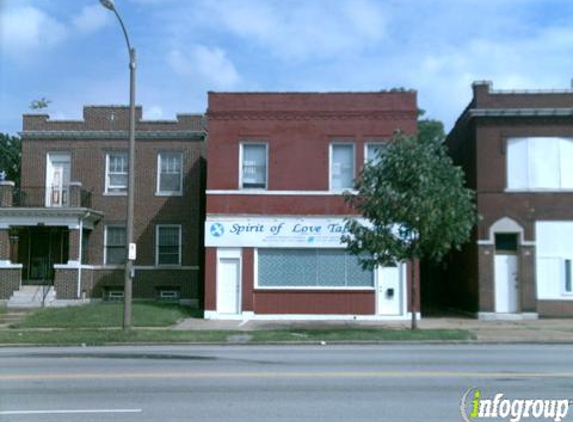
<point>254,166</point>
<point>311,268</point>
<point>115,245</point>
<point>373,152</point>
<point>170,172</point>
<point>168,245</point>
<point>342,167</point>
<point>117,167</point>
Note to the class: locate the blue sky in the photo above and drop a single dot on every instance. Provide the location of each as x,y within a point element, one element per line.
<point>73,53</point>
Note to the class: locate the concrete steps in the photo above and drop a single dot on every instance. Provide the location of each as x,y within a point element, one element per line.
<point>32,297</point>
<point>11,317</point>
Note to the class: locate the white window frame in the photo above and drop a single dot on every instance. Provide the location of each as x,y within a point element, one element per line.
<point>323,288</point>
<point>64,191</point>
<point>157,228</point>
<point>330,155</point>
<point>530,188</point>
<point>372,143</point>
<point>105,242</point>
<point>106,176</point>
<point>266,145</point>
<point>564,290</point>
<point>172,295</point>
<point>158,190</point>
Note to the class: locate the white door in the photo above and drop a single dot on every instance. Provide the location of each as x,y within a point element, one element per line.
<point>506,284</point>
<point>228,285</point>
<point>389,291</point>
<point>57,180</point>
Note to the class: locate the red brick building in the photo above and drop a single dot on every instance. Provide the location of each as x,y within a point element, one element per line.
<point>277,166</point>
<point>516,148</point>
<point>65,230</point>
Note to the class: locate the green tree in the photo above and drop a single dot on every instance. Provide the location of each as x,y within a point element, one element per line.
<point>10,157</point>
<point>415,202</point>
<point>40,104</point>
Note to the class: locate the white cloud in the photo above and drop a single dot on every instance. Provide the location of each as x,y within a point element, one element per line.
<point>92,18</point>
<point>301,29</point>
<point>153,113</point>
<point>209,65</point>
<point>27,28</point>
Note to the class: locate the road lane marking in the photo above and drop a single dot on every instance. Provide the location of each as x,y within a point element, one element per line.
<point>294,374</point>
<point>67,411</point>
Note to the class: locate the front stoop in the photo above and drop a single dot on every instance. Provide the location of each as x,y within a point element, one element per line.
<point>497,316</point>
<point>32,297</point>
<point>11,317</point>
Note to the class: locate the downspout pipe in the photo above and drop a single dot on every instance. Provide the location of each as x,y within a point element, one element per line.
<point>81,245</point>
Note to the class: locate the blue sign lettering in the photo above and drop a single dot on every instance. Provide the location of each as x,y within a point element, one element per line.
<point>247,228</point>
<point>337,228</point>
<point>304,229</point>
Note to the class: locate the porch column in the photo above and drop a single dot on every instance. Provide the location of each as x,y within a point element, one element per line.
<point>74,246</point>
<point>10,274</point>
<point>6,193</point>
<point>4,246</point>
<point>75,194</point>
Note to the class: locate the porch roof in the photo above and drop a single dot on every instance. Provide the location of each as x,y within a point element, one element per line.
<point>49,216</point>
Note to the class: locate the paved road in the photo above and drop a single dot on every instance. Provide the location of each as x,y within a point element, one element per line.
<point>299,383</point>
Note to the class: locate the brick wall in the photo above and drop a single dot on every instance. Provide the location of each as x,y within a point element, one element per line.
<point>9,281</point>
<point>147,282</point>
<point>299,128</point>
<point>4,245</point>
<point>88,167</point>
<point>66,284</point>
<point>104,130</point>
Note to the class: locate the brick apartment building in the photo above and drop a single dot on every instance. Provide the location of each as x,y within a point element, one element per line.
<point>65,228</point>
<point>516,148</point>
<point>277,166</point>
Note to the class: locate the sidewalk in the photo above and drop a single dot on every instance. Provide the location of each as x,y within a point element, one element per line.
<point>536,331</point>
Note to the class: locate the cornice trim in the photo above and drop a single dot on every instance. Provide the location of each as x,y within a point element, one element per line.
<point>311,115</point>
<point>112,134</point>
<point>520,112</point>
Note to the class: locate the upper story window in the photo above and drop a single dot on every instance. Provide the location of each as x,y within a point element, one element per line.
<point>341,166</point>
<point>253,166</point>
<point>539,163</point>
<point>168,244</point>
<point>169,173</point>
<point>116,167</point>
<point>373,151</point>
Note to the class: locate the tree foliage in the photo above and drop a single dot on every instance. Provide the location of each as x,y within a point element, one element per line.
<point>40,104</point>
<point>10,157</point>
<point>414,200</point>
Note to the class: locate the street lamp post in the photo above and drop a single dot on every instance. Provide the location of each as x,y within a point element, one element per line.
<point>130,245</point>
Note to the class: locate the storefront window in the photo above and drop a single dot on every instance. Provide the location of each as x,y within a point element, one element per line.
<point>311,268</point>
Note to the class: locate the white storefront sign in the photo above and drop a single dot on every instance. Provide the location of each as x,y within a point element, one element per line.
<point>264,232</point>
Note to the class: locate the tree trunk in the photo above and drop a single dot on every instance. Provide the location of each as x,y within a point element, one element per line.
<point>413,293</point>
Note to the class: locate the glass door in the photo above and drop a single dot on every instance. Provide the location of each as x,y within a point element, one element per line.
<point>58,180</point>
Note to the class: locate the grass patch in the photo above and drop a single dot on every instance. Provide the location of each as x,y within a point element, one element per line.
<point>106,336</point>
<point>361,334</point>
<point>3,309</point>
<point>94,337</point>
<point>106,315</point>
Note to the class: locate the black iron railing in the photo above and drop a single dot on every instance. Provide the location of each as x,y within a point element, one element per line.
<point>59,196</point>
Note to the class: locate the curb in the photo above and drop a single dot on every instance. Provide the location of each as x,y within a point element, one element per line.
<point>308,343</point>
